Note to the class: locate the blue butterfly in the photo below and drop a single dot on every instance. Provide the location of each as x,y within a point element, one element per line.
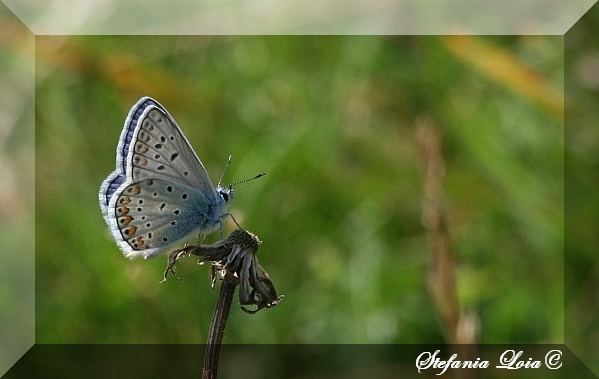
<point>160,192</point>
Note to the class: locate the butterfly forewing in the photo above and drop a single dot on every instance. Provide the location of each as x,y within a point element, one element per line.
<point>160,151</point>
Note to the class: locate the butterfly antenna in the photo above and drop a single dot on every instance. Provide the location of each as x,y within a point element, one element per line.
<point>225,170</point>
<point>247,180</point>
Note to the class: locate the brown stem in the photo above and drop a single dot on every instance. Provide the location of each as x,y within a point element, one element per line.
<point>461,327</point>
<point>217,329</point>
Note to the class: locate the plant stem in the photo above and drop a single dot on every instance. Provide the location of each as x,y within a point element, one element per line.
<point>217,329</point>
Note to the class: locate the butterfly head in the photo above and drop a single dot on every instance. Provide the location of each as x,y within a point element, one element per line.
<point>226,193</point>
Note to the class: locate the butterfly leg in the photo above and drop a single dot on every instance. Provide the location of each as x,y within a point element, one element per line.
<point>232,218</point>
<point>173,258</point>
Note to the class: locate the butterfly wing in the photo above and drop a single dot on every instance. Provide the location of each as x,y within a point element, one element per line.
<point>152,149</point>
<point>152,214</point>
<point>160,150</point>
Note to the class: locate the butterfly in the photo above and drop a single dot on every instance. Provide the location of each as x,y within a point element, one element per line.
<point>160,192</point>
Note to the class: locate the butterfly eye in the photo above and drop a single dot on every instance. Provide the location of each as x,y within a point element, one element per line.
<point>226,194</point>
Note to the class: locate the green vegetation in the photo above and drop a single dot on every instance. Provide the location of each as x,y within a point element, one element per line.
<point>333,121</point>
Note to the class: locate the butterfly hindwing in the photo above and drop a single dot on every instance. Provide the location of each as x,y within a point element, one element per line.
<point>154,213</point>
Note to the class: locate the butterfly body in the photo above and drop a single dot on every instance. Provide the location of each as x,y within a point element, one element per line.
<point>160,192</point>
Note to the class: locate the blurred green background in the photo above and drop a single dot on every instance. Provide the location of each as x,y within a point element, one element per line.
<point>332,120</point>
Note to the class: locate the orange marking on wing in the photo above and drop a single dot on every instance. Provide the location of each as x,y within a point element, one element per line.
<point>126,220</point>
<point>124,200</point>
<point>139,160</point>
<point>129,231</point>
<point>137,243</point>
<point>122,211</point>
<point>135,190</point>
<point>141,148</point>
